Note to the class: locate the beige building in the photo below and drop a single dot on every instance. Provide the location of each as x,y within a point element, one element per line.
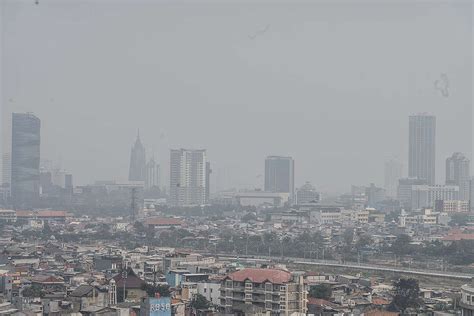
<point>258,291</point>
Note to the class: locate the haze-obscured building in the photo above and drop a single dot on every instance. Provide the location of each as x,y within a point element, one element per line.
<point>279,175</point>
<point>307,194</point>
<point>458,173</point>
<point>393,173</point>
<point>137,161</point>
<point>421,149</point>
<point>25,162</point>
<point>188,177</point>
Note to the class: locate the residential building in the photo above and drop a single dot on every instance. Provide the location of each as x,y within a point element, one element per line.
<point>325,214</point>
<point>422,145</point>
<point>426,195</point>
<point>471,195</point>
<point>393,173</point>
<point>260,198</point>
<point>6,174</point>
<point>278,292</point>
<point>280,175</point>
<point>7,216</point>
<point>452,206</point>
<point>25,159</point>
<point>467,300</point>
<point>210,290</point>
<point>188,177</point>
<point>374,194</point>
<point>404,191</point>
<point>307,194</point>
<point>458,173</point>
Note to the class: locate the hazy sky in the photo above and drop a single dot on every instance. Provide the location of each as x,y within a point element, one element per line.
<point>331,84</point>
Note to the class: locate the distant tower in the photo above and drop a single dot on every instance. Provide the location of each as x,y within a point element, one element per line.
<point>25,160</point>
<point>280,175</point>
<point>208,180</point>
<point>422,145</point>
<point>152,176</point>
<point>112,292</point>
<point>393,173</point>
<point>457,173</point>
<point>137,161</point>
<point>188,177</point>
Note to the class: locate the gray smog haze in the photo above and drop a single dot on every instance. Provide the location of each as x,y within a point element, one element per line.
<point>330,84</point>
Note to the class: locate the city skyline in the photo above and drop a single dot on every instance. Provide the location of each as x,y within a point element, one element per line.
<point>239,93</point>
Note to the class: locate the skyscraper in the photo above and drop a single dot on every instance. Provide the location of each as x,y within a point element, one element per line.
<point>393,173</point>
<point>25,170</point>
<point>188,177</point>
<point>421,150</point>
<point>457,173</point>
<point>137,161</point>
<point>152,177</point>
<point>279,175</point>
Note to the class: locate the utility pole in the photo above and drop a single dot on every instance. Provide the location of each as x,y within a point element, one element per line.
<point>133,204</point>
<point>124,277</point>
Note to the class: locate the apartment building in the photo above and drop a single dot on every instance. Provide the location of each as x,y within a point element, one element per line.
<point>255,290</point>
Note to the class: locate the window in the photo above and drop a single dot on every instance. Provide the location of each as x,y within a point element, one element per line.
<point>268,287</point>
<point>205,290</point>
<point>248,285</point>
<point>228,283</point>
<point>248,297</point>
<point>210,290</point>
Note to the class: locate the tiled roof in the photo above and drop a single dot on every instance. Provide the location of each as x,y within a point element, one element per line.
<point>455,237</point>
<point>261,275</point>
<point>164,221</point>
<point>48,213</point>
<point>25,213</point>
<point>132,280</point>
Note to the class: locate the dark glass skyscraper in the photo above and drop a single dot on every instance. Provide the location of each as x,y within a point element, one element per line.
<point>25,170</point>
<point>422,146</point>
<point>137,171</point>
<point>279,175</point>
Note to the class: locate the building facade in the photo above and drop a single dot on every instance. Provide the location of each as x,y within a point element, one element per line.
<point>422,146</point>
<point>188,177</point>
<point>426,195</point>
<point>467,300</point>
<point>279,175</point>
<point>25,160</point>
<point>458,173</point>
<point>307,194</point>
<point>253,290</point>
<point>152,174</point>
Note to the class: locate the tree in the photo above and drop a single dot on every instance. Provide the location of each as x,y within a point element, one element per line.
<point>32,291</point>
<point>406,295</point>
<point>401,245</point>
<point>199,302</point>
<point>46,230</point>
<point>138,226</point>
<point>249,217</point>
<point>364,241</point>
<point>323,291</point>
<point>162,289</point>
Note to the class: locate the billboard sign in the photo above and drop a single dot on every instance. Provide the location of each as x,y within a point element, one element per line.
<point>160,306</point>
